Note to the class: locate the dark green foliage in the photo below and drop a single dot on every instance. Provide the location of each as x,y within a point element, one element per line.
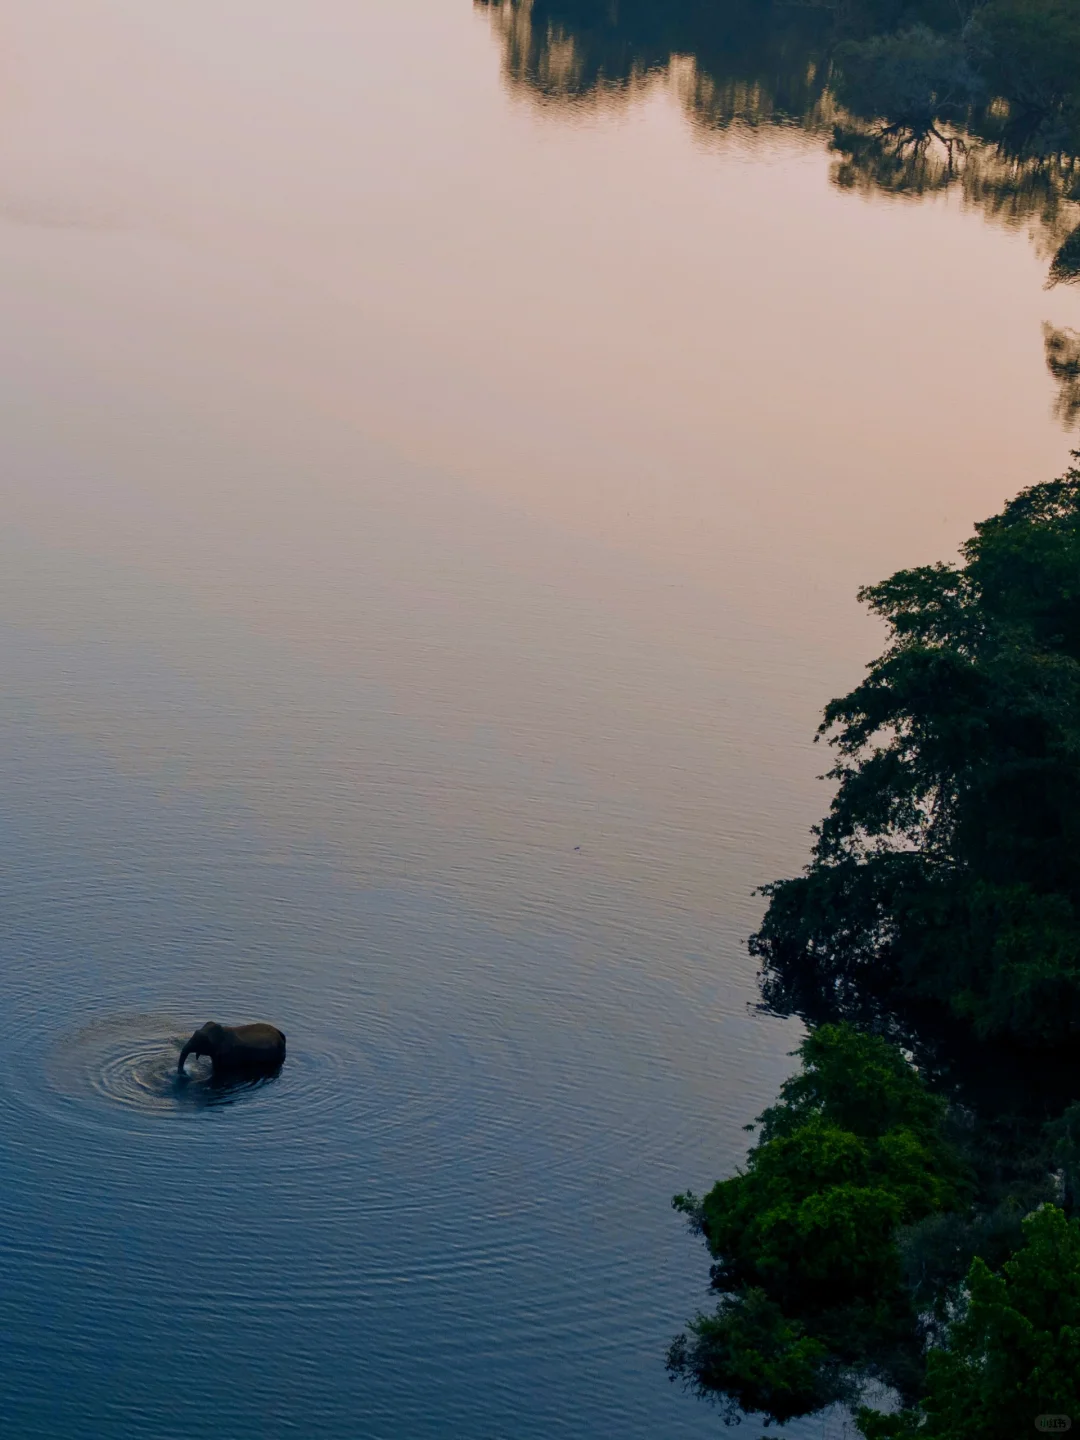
<point>948,868</point>
<point>937,1252</point>
<point>852,1150</point>
<point>1013,1354</point>
<point>751,1357</point>
<point>804,1239</point>
<point>875,1231</point>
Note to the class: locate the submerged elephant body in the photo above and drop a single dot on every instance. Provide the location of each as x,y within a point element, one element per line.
<point>237,1050</point>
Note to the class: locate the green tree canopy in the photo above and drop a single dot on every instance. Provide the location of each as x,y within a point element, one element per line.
<point>1014,1353</point>
<point>804,1239</point>
<point>948,867</point>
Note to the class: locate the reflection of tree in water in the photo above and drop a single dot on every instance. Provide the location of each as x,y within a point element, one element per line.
<point>906,114</point>
<point>742,60</point>
<point>1066,266</point>
<point>1063,362</point>
<point>1031,194</point>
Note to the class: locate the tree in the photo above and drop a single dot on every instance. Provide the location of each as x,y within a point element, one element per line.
<point>751,1357</point>
<point>804,1239</point>
<point>948,868</point>
<point>1013,1355</point>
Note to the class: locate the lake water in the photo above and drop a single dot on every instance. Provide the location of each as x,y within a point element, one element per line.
<point>432,517</point>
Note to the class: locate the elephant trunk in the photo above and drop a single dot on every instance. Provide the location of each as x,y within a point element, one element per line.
<point>184,1053</point>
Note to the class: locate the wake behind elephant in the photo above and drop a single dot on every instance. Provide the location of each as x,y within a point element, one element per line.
<point>236,1050</point>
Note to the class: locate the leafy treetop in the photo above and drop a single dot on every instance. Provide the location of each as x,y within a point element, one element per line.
<point>1014,1353</point>
<point>804,1239</point>
<point>948,867</point>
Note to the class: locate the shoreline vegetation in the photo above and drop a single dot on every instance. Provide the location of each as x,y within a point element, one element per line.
<point>910,1212</point>
<point>908,1216</point>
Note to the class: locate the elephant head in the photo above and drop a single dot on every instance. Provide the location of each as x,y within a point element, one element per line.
<point>203,1042</point>
<point>236,1049</point>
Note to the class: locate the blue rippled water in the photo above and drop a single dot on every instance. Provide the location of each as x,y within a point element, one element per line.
<point>442,1216</point>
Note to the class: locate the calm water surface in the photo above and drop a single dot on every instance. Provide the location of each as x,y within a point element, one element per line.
<point>431,526</point>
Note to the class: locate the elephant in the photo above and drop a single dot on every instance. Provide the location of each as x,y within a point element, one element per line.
<point>236,1050</point>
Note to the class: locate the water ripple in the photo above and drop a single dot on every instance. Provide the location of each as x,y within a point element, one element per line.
<point>130,1061</point>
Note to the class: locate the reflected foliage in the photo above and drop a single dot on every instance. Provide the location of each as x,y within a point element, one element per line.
<point>1066,266</point>
<point>912,82</point>
<point>1027,50</point>
<point>745,60</point>
<point>913,96</point>
<point>1063,362</point>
